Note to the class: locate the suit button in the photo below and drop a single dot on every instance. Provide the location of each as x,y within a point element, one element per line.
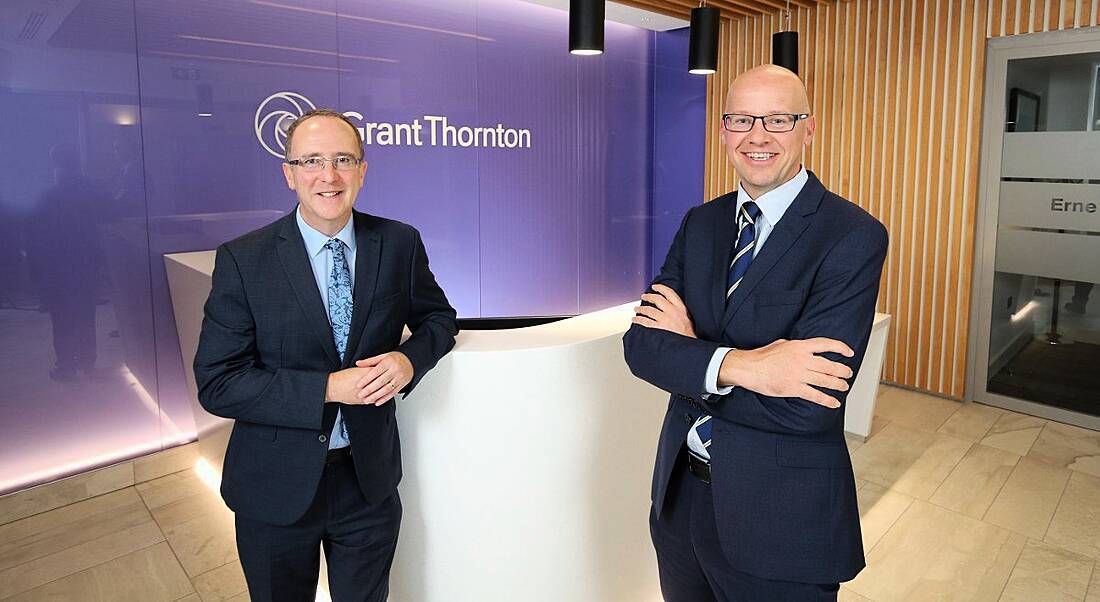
<point>687,418</point>
<point>322,438</point>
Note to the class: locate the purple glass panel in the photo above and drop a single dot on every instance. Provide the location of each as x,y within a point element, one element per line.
<point>679,132</point>
<point>76,337</point>
<point>547,213</point>
<point>614,158</point>
<point>427,67</point>
<point>529,197</point>
<point>204,69</point>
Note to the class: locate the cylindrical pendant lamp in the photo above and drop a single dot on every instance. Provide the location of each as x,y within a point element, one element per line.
<point>586,26</point>
<point>785,49</point>
<point>703,42</point>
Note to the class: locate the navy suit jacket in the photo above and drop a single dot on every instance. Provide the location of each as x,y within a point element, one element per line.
<point>266,351</point>
<point>784,492</point>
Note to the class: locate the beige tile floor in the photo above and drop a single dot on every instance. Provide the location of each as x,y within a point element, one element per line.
<point>958,502</point>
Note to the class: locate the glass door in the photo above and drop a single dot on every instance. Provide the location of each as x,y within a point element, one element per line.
<point>1035,336</point>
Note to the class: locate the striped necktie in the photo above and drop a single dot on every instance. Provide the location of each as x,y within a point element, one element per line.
<point>742,257</point>
<point>743,250</point>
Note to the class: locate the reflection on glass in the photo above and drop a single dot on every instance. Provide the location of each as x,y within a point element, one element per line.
<point>1094,99</point>
<point>65,268</point>
<point>76,337</point>
<point>1045,341</point>
<point>1052,93</point>
<point>1023,111</point>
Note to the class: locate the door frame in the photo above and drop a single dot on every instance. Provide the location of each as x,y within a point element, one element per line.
<point>998,52</point>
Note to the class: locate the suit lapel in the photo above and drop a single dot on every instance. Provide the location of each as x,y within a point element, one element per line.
<point>725,236</point>
<point>782,238</point>
<point>368,253</point>
<point>292,254</point>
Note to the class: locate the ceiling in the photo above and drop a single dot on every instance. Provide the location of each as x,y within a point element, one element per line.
<point>628,14</point>
<point>734,9</point>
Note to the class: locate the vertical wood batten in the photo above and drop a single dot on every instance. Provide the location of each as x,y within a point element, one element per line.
<point>935,241</point>
<point>831,84</point>
<point>884,54</point>
<point>967,21</point>
<point>915,206</point>
<point>892,213</point>
<point>931,329</point>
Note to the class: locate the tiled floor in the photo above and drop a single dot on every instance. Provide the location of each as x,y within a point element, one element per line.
<point>958,502</point>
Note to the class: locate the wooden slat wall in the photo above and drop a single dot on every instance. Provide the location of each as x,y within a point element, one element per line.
<point>897,87</point>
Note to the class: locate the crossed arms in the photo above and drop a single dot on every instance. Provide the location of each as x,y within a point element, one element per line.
<point>792,385</point>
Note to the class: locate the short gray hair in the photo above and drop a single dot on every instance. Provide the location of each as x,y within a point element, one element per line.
<point>322,113</point>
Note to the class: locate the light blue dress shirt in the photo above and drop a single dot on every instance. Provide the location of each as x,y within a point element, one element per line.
<point>773,204</point>
<point>320,259</point>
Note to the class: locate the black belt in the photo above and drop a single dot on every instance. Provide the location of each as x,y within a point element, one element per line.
<point>699,467</point>
<point>338,455</point>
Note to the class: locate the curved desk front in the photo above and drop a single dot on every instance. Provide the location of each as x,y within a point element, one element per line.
<point>528,456</point>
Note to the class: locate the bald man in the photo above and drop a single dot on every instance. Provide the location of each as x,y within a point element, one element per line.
<point>756,325</point>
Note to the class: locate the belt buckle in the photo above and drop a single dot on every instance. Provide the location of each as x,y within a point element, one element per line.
<point>699,467</point>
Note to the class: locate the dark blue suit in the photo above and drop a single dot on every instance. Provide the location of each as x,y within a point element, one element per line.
<point>267,349</point>
<point>783,491</point>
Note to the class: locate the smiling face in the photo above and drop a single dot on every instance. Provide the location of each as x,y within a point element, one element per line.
<point>326,196</point>
<point>765,160</point>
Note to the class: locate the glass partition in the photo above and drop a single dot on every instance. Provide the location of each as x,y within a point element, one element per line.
<point>77,356</point>
<point>1044,318</point>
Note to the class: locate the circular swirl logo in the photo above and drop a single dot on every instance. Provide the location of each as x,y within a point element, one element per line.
<point>274,116</point>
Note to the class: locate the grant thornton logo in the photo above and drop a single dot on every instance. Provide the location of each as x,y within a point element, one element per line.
<point>273,117</point>
<point>276,112</point>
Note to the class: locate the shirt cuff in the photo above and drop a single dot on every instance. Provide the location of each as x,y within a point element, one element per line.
<point>711,379</point>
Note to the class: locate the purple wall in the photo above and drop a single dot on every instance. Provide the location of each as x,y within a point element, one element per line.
<point>679,141</point>
<point>118,162</point>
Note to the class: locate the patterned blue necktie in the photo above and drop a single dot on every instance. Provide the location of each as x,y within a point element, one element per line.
<point>339,296</point>
<point>742,257</point>
<point>339,315</point>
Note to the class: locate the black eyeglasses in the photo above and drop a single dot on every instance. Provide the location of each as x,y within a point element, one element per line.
<point>339,162</point>
<point>775,123</point>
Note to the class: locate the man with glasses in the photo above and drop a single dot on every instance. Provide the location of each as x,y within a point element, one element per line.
<point>757,322</point>
<point>301,345</point>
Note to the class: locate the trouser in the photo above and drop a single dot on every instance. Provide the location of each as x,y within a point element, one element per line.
<point>690,561</point>
<point>282,562</point>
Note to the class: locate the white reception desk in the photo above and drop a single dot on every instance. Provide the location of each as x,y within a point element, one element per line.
<point>527,458</point>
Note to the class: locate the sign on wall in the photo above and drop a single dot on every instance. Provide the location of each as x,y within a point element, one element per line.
<point>276,112</point>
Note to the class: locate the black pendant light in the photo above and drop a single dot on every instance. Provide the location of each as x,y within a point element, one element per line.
<point>785,46</point>
<point>586,26</point>
<point>703,42</point>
